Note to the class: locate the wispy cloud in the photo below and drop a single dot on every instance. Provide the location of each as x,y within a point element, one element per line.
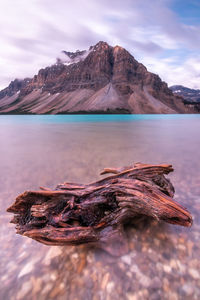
<point>34,32</point>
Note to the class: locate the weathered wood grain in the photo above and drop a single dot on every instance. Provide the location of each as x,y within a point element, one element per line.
<point>96,213</point>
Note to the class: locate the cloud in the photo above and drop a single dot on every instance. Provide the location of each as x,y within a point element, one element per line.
<point>34,32</point>
<point>186,73</point>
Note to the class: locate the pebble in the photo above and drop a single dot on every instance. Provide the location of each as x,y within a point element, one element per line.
<point>82,263</point>
<point>74,256</point>
<point>181,267</point>
<point>53,276</point>
<point>153,256</point>
<point>173,263</point>
<point>26,287</point>
<point>126,259</point>
<point>157,242</point>
<point>46,277</point>
<point>105,281</point>
<point>140,295</point>
<point>56,291</point>
<point>156,283</point>
<point>122,266</point>
<point>173,296</point>
<point>134,269</point>
<point>144,280</point>
<point>194,273</point>
<point>181,247</point>
<point>23,254</point>
<point>165,285</point>
<point>132,296</point>
<point>190,245</point>
<point>155,296</point>
<point>129,274</point>
<point>159,266</point>
<point>37,284</point>
<point>47,288</point>
<point>167,268</point>
<point>187,289</point>
<point>52,253</point>
<point>110,286</point>
<point>26,269</point>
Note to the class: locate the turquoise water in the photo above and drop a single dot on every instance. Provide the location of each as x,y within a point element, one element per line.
<point>47,150</point>
<point>90,118</point>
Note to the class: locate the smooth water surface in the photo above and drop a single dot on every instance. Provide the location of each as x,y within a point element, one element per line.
<point>163,262</point>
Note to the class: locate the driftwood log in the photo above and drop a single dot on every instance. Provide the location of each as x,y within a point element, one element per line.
<point>96,213</point>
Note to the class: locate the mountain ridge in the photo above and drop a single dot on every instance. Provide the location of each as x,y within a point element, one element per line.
<point>191,95</point>
<point>102,79</point>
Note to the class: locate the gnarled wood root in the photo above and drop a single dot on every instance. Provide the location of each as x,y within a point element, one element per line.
<point>74,214</point>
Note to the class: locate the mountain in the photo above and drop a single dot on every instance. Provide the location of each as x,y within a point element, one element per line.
<point>103,79</point>
<point>191,95</point>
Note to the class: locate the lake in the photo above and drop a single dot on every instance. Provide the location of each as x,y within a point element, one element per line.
<point>163,261</point>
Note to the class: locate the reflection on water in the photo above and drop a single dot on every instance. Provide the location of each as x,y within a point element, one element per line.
<point>163,262</point>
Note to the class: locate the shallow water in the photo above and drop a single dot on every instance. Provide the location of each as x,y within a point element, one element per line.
<point>163,262</point>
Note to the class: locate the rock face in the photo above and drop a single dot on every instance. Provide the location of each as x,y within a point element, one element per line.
<point>14,87</point>
<point>103,79</point>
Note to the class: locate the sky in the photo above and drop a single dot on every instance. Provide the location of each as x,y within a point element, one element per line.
<point>164,35</point>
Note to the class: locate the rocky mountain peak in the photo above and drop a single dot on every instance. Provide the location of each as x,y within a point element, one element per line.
<point>100,46</point>
<point>118,48</point>
<point>101,78</point>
